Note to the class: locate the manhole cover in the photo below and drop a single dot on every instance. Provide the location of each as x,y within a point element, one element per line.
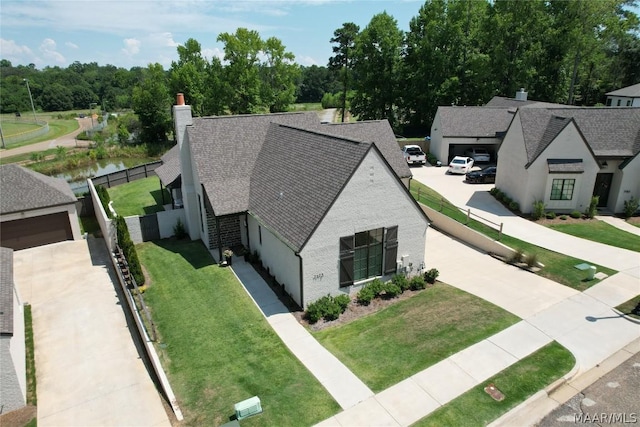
<point>492,391</point>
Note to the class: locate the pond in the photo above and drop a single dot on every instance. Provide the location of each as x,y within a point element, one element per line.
<point>77,178</point>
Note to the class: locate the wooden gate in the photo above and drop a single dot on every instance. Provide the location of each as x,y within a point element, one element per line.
<point>149,227</point>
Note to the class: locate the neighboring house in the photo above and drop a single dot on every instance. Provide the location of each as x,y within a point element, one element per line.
<point>169,174</point>
<point>13,381</point>
<point>325,206</point>
<point>564,156</point>
<point>626,97</point>
<point>35,209</point>
<point>456,129</point>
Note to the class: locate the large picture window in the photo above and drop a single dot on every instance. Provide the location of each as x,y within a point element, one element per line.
<point>562,189</point>
<point>362,255</point>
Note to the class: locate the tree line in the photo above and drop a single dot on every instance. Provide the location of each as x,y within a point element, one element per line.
<point>456,52</point>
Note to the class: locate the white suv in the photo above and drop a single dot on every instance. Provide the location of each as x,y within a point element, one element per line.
<point>478,154</point>
<point>460,165</point>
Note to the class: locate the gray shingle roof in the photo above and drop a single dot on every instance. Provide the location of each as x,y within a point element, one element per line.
<point>503,102</point>
<point>6,291</point>
<point>608,132</point>
<point>22,189</point>
<point>565,165</point>
<point>477,122</point>
<point>632,91</point>
<point>298,175</point>
<point>169,172</point>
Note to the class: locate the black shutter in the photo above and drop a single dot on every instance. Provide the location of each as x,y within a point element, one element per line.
<point>346,261</point>
<point>391,250</point>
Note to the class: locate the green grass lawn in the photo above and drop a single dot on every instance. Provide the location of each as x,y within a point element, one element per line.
<point>518,382</point>
<point>557,267</point>
<point>14,128</point>
<point>89,224</point>
<point>216,346</point>
<point>599,231</point>
<point>57,128</point>
<point>140,197</point>
<point>308,106</point>
<point>631,307</point>
<point>386,347</point>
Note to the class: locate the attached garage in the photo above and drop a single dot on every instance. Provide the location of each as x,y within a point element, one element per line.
<point>35,209</point>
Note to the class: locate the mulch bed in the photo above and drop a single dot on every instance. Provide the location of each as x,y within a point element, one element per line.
<point>19,417</point>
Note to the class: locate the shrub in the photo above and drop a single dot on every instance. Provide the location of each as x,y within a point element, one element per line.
<point>179,230</point>
<point>517,256</point>
<point>401,281</point>
<point>325,307</point>
<point>417,283</point>
<point>551,215</point>
<point>313,313</point>
<point>343,301</point>
<point>532,260</point>
<point>493,191</point>
<point>592,210</point>
<point>563,217</point>
<point>432,159</point>
<point>376,286</point>
<point>104,197</point>
<point>514,206</point>
<point>431,275</point>
<point>129,250</point>
<point>538,210</point>
<point>631,206</point>
<point>366,295</point>
<point>575,214</point>
<point>391,290</point>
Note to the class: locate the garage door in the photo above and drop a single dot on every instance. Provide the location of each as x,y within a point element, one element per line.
<point>36,231</point>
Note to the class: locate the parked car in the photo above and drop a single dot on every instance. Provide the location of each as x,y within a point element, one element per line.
<point>478,154</point>
<point>460,165</point>
<point>487,174</point>
<point>413,154</point>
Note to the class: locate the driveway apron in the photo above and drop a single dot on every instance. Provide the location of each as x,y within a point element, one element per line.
<point>88,370</point>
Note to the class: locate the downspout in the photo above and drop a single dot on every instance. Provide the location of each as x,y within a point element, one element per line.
<point>246,226</point>
<point>219,237</point>
<point>301,282</point>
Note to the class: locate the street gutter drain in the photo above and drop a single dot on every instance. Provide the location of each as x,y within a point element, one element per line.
<point>492,391</point>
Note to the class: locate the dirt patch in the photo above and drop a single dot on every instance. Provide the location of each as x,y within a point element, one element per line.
<point>19,417</point>
<point>635,220</point>
<point>558,220</point>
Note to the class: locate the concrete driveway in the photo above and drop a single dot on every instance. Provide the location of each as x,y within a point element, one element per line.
<point>88,370</point>
<point>477,198</point>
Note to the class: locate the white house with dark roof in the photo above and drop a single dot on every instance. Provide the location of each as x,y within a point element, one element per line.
<point>325,206</point>
<point>564,156</point>
<point>626,97</point>
<point>35,209</point>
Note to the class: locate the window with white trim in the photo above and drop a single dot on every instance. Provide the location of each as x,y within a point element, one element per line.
<point>562,189</point>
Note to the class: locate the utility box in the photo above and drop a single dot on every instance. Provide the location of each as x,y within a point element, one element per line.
<point>247,408</point>
<point>592,272</point>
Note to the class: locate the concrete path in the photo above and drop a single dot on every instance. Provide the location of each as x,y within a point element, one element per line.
<point>476,197</point>
<point>619,223</point>
<point>328,115</point>
<point>340,382</point>
<point>89,372</point>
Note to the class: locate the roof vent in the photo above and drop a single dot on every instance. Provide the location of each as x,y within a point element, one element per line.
<point>521,95</point>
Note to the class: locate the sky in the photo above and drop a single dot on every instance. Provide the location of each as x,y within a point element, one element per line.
<point>139,32</point>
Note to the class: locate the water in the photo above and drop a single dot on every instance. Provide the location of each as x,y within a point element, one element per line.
<point>77,178</point>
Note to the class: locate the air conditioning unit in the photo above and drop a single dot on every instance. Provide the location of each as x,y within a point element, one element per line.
<point>247,408</point>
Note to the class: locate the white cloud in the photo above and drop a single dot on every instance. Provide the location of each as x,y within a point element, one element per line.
<point>213,53</point>
<point>49,51</point>
<point>306,61</point>
<point>71,45</point>
<point>10,48</point>
<point>132,46</point>
<point>162,40</point>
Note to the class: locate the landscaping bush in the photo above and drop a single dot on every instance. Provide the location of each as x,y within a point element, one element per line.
<point>376,286</point>
<point>401,281</point>
<point>551,215</point>
<point>538,210</point>
<point>592,210</point>
<point>499,195</point>
<point>391,290</point>
<point>343,301</point>
<point>575,214</point>
<point>563,217</point>
<point>366,295</point>
<point>325,307</point>
<point>514,206</point>
<point>631,207</point>
<point>532,260</point>
<point>430,276</point>
<point>179,230</point>
<point>417,283</point>
<point>433,160</point>
<point>517,256</point>
<point>493,191</point>
<point>313,313</point>
<point>104,197</point>
<point>129,250</point>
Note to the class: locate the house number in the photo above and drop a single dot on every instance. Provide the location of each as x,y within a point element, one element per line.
<point>318,276</point>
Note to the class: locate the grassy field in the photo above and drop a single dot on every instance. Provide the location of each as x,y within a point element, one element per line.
<point>631,307</point>
<point>140,197</point>
<point>386,347</point>
<point>216,346</point>
<point>557,267</point>
<point>517,383</point>
<point>57,128</point>
<point>13,128</point>
<point>599,231</point>
<point>309,106</point>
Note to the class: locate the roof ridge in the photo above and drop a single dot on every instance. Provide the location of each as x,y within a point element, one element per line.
<point>327,134</point>
<point>231,116</point>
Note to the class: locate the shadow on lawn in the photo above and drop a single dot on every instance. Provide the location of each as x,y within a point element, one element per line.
<point>194,252</point>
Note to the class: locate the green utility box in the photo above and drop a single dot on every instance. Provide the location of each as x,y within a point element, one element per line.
<point>247,408</point>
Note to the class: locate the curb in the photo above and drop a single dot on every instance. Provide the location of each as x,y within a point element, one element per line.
<point>554,386</point>
<point>629,318</point>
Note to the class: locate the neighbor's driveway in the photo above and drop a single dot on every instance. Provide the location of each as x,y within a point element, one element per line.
<point>477,197</point>
<point>88,370</point>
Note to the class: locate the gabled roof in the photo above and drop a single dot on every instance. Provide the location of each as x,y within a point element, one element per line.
<point>476,122</point>
<point>169,172</point>
<point>608,132</point>
<point>22,189</point>
<point>6,291</point>
<point>632,91</point>
<point>298,175</point>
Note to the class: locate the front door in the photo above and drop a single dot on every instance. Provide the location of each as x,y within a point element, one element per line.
<point>602,187</point>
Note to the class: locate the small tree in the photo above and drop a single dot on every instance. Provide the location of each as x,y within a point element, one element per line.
<point>631,206</point>
<point>538,210</point>
<point>593,207</point>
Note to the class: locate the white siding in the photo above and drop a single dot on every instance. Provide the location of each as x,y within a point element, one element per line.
<point>629,185</point>
<point>437,147</point>
<point>624,100</point>
<point>512,177</point>
<point>373,198</point>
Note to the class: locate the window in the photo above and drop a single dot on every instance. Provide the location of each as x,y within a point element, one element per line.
<point>562,189</point>
<point>619,101</point>
<point>361,255</point>
<point>628,103</point>
<point>608,102</point>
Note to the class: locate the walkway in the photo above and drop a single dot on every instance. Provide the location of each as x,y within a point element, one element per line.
<point>619,223</point>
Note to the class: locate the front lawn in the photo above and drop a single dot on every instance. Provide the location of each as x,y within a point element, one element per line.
<point>388,346</point>
<point>140,197</point>
<point>517,382</point>
<point>599,231</point>
<point>216,346</point>
<point>557,267</point>
<point>631,307</point>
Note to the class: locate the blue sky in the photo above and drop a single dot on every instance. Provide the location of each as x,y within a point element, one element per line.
<point>139,32</point>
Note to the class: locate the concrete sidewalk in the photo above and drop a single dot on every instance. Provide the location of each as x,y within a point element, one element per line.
<point>619,223</point>
<point>340,382</point>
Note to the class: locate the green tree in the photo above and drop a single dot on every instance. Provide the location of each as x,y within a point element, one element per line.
<point>280,73</point>
<point>151,102</point>
<point>342,61</point>
<point>376,67</point>
<point>56,97</point>
<point>188,75</point>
